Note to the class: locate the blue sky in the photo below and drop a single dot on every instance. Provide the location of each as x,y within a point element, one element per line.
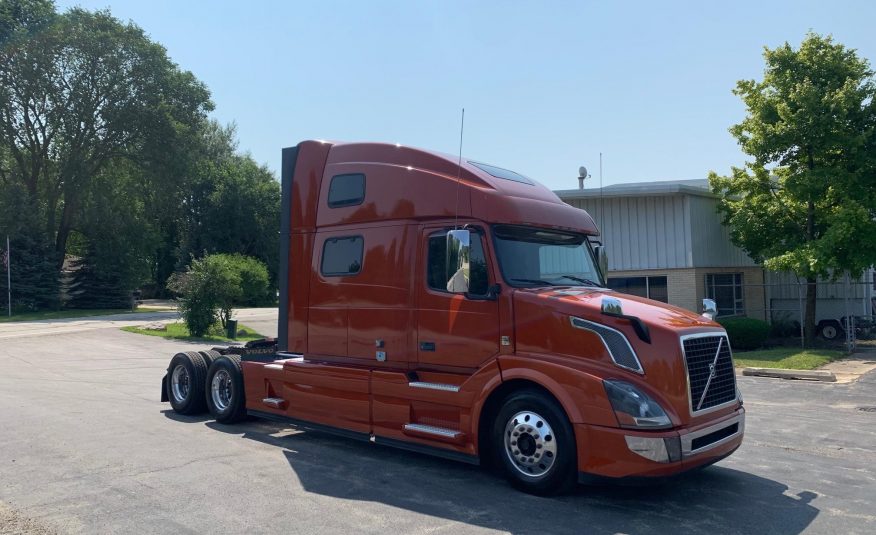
<point>546,86</point>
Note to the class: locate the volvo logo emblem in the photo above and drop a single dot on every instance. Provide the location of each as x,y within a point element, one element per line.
<point>711,369</point>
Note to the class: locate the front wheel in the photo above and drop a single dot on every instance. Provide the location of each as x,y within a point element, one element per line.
<point>535,444</point>
<point>226,399</point>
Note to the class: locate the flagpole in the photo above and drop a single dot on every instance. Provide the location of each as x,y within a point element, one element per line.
<point>8,277</point>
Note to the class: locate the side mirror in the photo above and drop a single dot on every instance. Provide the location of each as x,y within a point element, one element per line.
<point>601,259</point>
<point>710,309</point>
<point>458,254</point>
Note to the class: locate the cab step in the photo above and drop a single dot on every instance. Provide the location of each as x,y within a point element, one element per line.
<point>435,433</point>
<point>276,403</point>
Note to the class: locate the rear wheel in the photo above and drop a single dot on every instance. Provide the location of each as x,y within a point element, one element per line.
<point>535,444</point>
<point>185,383</point>
<point>209,356</point>
<point>225,397</point>
<point>830,330</point>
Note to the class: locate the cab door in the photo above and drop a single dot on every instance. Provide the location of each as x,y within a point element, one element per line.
<point>455,332</point>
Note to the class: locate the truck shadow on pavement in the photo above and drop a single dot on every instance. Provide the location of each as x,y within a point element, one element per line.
<point>717,499</point>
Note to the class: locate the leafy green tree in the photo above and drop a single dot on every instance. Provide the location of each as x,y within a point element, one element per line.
<point>233,204</point>
<point>114,243</point>
<point>77,91</point>
<point>35,283</point>
<point>806,202</point>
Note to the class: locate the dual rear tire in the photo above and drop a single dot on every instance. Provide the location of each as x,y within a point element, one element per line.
<point>207,380</point>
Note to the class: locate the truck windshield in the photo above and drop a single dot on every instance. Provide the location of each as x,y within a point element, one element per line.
<point>531,257</point>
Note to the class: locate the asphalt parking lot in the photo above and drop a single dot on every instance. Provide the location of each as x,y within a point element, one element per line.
<point>86,447</point>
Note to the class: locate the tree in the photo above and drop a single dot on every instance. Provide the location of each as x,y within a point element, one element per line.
<point>113,242</point>
<point>233,204</point>
<point>77,91</point>
<point>34,277</point>
<point>806,202</point>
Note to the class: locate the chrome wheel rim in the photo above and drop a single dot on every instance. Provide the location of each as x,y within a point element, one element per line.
<point>221,390</point>
<point>530,444</point>
<point>180,383</point>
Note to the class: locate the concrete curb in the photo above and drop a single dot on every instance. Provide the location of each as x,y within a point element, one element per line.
<point>806,375</point>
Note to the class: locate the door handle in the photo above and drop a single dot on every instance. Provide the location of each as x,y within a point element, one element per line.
<point>427,346</point>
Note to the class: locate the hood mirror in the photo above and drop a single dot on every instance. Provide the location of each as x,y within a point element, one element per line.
<point>710,309</point>
<point>611,306</point>
<point>458,254</point>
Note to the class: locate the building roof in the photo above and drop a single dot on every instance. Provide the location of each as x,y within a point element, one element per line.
<point>699,186</point>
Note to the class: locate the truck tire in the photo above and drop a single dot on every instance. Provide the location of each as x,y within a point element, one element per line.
<point>209,356</point>
<point>226,398</point>
<point>534,443</point>
<point>185,383</point>
<point>830,329</point>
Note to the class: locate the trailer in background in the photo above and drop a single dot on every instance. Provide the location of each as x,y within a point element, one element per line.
<point>846,301</point>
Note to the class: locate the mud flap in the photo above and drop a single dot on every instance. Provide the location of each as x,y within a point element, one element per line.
<point>164,389</point>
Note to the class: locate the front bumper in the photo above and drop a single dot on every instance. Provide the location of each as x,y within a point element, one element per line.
<point>606,452</point>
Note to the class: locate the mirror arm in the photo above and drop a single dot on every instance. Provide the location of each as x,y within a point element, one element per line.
<point>639,326</point>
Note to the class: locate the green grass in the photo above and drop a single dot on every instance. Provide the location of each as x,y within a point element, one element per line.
<point>786,358</point>
<point>71,313</point>
<point>179,331</point>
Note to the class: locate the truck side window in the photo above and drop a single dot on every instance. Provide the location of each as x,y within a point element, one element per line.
<point>437,279</point>
<point>346,190</point>
<point>342,256</point>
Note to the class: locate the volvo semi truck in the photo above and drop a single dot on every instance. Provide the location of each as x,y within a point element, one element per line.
<point>455,308</point>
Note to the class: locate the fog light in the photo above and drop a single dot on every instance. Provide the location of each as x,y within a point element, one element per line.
<point>661,450</point>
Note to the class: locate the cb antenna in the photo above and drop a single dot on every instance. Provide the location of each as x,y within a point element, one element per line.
<point>459,167</point>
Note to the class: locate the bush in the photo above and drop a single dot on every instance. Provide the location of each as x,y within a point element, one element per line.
<point>745,333</point>
<point>213,285</point>
<point>254,280</point>
<point>783,326</point>
<point>208,290</point>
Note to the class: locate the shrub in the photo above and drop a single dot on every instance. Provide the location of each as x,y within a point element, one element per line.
<point>745,333</point>
<point>254,280</point>
<point>213,285</point>
<point>783,326</point>
<point>208,291</point>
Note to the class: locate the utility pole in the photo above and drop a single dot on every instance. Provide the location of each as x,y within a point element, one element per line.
<point>8,263</point>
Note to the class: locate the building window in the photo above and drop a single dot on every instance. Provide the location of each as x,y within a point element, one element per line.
<point>346,190</point>
<point>478,280</point>
<point>651,287</point>
<point>342,256</point>
<point>727,291</point>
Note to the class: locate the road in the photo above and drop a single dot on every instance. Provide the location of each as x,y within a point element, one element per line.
<point>86,447</point>
<point>263,320</point>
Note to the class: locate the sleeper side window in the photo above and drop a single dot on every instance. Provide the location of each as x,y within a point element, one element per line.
<point>346,190</point>
<point>478,283</point>
<point>342,256</point>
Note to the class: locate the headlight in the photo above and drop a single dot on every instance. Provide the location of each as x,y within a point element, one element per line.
<point>633,408</point>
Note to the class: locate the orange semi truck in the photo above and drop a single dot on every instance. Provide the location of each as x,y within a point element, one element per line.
<point>459,309</point>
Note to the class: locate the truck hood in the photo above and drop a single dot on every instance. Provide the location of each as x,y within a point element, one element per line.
<point>543,326</point>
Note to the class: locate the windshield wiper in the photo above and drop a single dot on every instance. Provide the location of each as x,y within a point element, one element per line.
<point>536,281</point>
<point>587,282</point>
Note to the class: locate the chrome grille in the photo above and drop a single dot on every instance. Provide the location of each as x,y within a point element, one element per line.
<point>699,355</point>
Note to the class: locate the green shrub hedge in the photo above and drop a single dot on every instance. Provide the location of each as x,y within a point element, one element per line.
<point>745,333</point>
